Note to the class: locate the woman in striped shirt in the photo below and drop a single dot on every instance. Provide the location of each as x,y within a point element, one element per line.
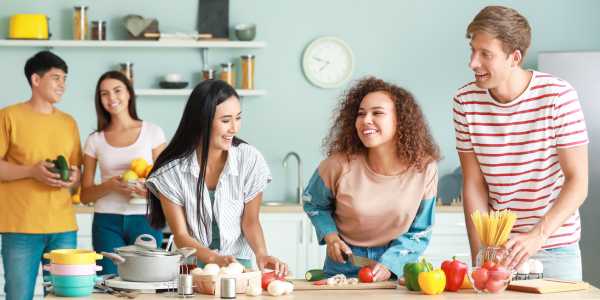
<point>207,184</point>
<point>374,196</point>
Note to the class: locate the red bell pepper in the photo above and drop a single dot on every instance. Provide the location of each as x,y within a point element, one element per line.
<point>455,271</point>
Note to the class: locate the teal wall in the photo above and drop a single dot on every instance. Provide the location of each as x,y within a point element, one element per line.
<point>417,44</point>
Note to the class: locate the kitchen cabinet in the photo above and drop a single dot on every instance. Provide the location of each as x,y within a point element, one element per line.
<point>204,46</point>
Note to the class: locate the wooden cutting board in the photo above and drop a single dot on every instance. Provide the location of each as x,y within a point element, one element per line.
<point>303,285</point>
<point>547,285</point>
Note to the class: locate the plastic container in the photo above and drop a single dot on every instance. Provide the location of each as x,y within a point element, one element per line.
<point>490,275</point>
<point>72,256</point>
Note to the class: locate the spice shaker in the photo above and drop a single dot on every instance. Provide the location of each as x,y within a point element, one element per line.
<point>228,288</point>
<point>185,285</point>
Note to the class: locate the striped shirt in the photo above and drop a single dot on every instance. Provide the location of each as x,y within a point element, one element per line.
<point>516,145</point>
<point>244,176</point>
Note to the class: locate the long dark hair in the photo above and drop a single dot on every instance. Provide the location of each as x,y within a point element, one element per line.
<point>103,116</point>
<point>193,133</point>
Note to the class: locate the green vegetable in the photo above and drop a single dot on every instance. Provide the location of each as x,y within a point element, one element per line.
<point>411,274</point>
<point>61,167</point>
<point>315,275</point>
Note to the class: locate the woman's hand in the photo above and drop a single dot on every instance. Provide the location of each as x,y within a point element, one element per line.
<point>381,272</point>
<point>271,262</point>
<point>222,260</point>
<point>336,248</point>
<point>140,190</point>
<point>116,184</point>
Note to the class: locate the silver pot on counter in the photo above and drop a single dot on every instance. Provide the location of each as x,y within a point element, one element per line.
<point>144,262</point>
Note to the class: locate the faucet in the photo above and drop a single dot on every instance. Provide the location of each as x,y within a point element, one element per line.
<point>300,184</point>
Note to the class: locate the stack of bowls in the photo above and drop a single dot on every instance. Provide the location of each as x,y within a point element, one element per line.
<point>73,271</point>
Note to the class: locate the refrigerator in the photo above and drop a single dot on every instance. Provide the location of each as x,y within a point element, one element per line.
<point>582,70</point>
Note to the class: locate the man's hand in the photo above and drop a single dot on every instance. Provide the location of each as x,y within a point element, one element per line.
<point>41,173</point>
<point>335,248</point>
<point>523,246</point>
<point>73,178</point>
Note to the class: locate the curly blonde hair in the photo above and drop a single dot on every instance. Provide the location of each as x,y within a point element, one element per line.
<point>415,144</point>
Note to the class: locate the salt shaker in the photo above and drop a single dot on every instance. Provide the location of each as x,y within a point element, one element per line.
<point>185,285</point>
<point>228,288</point>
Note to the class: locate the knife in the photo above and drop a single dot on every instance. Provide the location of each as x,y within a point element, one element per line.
<point>359,261</point>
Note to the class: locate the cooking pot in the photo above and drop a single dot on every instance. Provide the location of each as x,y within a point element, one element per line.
<point>144,262</point>
<point>29,26</point>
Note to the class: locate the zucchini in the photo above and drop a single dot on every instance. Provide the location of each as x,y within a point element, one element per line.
<point>63,167</point>
<point>315,275</point>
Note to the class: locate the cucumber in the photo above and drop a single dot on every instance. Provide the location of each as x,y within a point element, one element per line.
<point>315,275</point>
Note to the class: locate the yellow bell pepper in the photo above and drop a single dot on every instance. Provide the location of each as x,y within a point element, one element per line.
<point>432,282</point>
<point>466,283</point>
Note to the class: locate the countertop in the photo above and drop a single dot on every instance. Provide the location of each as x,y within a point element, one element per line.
<point>400,293</point>
<point>286,208</point>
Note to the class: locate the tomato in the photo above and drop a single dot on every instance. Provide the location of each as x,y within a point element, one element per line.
<point>480,277</point>
<point>488,264</point>
<point>498,273</point>
<point>365,274</point>
<point>494,286</point>
<point>267,277</point>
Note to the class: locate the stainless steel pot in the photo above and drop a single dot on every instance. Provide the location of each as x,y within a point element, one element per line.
<point>143,262</point>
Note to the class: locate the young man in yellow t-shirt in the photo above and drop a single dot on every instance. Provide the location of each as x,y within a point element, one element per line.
<point>36,214</point>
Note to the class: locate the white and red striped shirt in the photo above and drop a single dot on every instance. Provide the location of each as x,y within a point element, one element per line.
<point>516,145</point>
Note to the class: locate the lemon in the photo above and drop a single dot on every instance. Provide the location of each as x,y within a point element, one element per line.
<point>147,171</point>
<point>139,165</point>
<point>130,175</point>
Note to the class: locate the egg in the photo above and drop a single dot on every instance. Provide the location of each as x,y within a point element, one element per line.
<point>523,268</point>
<point>536,266</point>
<point>211,269</point>
<point>289,287</point>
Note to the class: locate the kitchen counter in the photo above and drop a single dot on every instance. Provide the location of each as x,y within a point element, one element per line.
<point>400,293</point>
<point>282,208</point>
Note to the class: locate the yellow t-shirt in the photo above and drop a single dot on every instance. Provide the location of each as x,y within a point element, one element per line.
<point>27,137</point>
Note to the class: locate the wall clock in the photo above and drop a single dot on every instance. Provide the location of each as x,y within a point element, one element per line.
<point>328,62</point>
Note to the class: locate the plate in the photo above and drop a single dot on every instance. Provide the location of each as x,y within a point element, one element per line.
<point>173,84</point>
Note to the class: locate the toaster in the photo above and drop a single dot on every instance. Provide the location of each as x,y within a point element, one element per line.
<point>29,26</point>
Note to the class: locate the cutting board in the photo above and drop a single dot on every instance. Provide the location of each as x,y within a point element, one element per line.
<point>303,285</point>
<point>547,285</point>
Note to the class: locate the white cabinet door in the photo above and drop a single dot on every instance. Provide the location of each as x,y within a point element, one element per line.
<point>449,238</point>
<point>286,240</point>
<point>84,233</point>
<point>315,252</point>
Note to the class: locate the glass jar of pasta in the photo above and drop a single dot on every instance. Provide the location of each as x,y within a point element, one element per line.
<point>80,22</point>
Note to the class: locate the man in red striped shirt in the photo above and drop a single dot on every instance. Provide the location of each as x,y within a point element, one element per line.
<point>522,143</point>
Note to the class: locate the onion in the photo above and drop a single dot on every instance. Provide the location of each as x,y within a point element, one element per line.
<point>276,288</point>
<point>289,287</point>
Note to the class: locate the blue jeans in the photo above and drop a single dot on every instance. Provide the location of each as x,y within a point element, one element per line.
<point>21,256</point>
<point>332,268</point>
<point>561,263</point>
<point>110,231</point>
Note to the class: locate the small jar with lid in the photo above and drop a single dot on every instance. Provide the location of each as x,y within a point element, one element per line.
<point>99,30</point>
<point>248,71</point>
<point>80,22</point>
<point>228,73</point>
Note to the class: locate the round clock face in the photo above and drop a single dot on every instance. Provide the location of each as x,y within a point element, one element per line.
<point>328,62</point>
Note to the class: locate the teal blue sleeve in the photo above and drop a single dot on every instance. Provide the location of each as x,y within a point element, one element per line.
<point>409,246</point>
<point>319,206</point>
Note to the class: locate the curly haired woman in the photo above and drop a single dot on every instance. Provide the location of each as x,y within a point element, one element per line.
<point>374,195</point>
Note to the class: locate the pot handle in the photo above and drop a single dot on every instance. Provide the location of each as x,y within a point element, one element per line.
<point>116,258</point>
<point>47,255</point>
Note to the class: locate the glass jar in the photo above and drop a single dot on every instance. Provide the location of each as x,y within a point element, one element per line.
<point>99,30</point>
<point>227,73</point>
<point>208,74</point>
<point>490,275</point>
<point>80,22</point>
<point>248,62</point>
<point>127,70</point>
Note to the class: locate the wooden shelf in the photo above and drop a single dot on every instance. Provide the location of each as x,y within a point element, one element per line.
<point>131,44</point>
<point>186,92</point>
